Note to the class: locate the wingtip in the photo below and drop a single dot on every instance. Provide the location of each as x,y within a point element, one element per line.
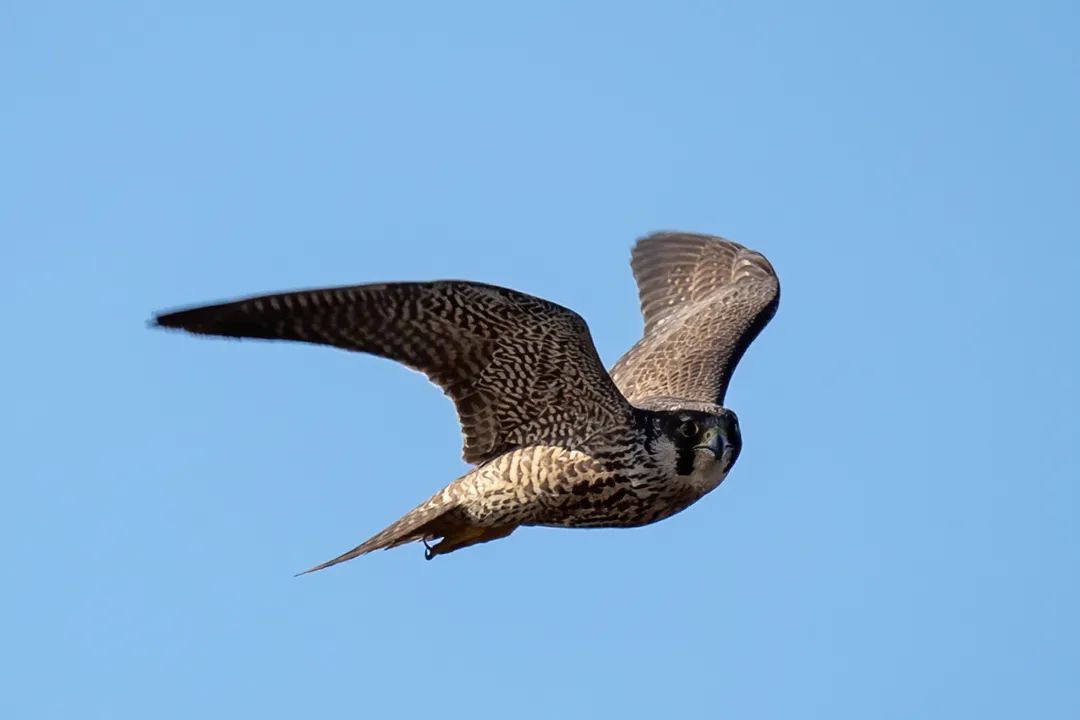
<point>198,321</point>
<point>166,320</point>
<point>330,563</point>
<point>323,566</point>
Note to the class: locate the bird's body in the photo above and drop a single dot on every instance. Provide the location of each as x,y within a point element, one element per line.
<point>555,440</point>
<point>618,478</point>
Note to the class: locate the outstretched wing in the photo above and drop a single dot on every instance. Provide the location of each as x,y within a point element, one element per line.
<point>704,300</point>
<point>519,369</point>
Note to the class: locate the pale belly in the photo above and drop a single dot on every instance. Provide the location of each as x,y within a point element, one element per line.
<point>557,487</point>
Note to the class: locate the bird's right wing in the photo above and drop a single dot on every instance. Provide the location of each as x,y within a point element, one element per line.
<point>704,300</point>
<point>519,369</point>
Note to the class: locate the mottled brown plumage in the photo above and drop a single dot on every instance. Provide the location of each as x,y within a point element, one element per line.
<point>704,301</point>
<point>555,440</point>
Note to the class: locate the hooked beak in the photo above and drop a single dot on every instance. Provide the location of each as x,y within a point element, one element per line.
<point>712,441</point>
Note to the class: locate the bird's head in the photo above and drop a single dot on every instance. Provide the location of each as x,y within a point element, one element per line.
<point>701,445</point>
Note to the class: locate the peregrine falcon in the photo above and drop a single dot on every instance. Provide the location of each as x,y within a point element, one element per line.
<point>553,438</point>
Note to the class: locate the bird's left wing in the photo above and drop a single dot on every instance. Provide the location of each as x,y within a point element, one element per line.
<point>520,369</point>
<point>704,300</point>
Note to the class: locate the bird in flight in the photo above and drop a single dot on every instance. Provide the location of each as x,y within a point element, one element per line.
<point>554,439</point>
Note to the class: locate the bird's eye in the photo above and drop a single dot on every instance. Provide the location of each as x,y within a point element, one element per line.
<point>688,429</point>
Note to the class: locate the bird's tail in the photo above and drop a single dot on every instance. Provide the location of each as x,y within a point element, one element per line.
<point>434,518</point>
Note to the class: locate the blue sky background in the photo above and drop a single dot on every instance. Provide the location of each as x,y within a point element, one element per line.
<point>899,538</point>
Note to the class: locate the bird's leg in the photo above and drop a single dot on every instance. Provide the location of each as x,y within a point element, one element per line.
<point>465,536</point>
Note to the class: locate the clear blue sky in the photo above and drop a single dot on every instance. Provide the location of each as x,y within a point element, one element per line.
<point>900,536</point>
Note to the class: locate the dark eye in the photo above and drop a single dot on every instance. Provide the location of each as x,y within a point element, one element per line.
<point>688,429</point>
